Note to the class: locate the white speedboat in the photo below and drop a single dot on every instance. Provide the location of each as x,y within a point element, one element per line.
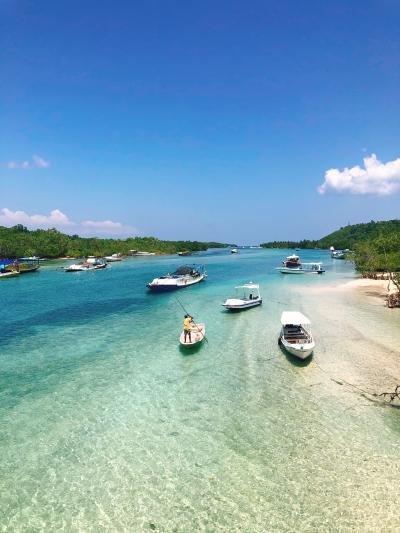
<point>91,263</point>
<point>184,276</point>
<point>296,336</point>
<point>137,253</point>
<point>197,335</point>
<point>113,258</point>
<point>234,251</point>
<point>304,268</point>
<point>246,296</point>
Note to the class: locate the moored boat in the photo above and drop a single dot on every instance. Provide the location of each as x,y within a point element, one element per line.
<point>91,263</point>
<point>23,265</point>
<point>185,253</point>
<point>247,296</point>
<point>138,253</point>
<point>234,251</point>
<point>184,276</point>
<point>113,258</point>
<point>292,261</point>
<point>304,268</point>
<point>197,335</point>
<point>295,335</point>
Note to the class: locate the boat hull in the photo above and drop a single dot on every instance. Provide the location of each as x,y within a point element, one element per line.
<point>292,270</point>
<point>168,286</point>
<point>238,305</point>
<point>11,274</point>
<point>302,351</point>
<point>198,335</point>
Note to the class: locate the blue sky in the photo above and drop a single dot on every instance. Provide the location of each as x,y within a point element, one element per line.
<point>199,120</point>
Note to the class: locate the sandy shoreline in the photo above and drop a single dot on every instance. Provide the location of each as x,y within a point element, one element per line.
<point>379,286</point>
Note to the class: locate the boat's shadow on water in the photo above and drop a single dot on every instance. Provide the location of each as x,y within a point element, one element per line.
<point>190,350</point>
<point>296,361</point>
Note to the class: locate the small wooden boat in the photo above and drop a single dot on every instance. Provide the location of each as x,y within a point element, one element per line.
<point>246,296</point>
<point>296,336</point>
<point>23,265</point>
<point>198,334</point>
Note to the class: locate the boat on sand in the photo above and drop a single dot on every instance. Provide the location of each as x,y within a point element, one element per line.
<point>295,335</point>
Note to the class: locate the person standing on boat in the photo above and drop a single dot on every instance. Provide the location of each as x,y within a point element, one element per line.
<point>187,327</point>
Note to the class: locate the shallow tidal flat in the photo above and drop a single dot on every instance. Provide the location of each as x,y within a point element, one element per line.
<point>107,426</point>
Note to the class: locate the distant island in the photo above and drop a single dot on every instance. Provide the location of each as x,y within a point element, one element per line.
<point>18,241</point>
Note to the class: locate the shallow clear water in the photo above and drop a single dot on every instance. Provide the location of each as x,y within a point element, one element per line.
<point>106,425</point>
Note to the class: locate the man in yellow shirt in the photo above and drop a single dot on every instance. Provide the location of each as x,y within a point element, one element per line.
<point>187,327</point>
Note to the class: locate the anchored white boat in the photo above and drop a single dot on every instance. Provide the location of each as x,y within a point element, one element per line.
<point>339,254</point>
<point>197,335</point>
<point>296,336</point>
<point>113,258</point>
<point>91,263</point>
<point>234,251</point>
<point>137,253</point>
<point>246,296</point>
<point>184,276</point>
<point>304,268</point>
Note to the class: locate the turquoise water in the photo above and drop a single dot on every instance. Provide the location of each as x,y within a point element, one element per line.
<point>106,425</point>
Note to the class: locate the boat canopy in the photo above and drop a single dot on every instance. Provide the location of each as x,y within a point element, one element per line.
<point>294,318</point>
<point>187,270</point>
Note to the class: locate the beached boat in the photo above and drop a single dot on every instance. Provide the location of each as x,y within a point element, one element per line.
<point>184,276</point>
<point>91,263</point>
<point>234,251</point>
<point>292,261</point>
<point>304,268</point>
<point>113,258</point>
<point>247,296</point>
<point>197,335</point>
<point>296,336</point>
<point>23,265</point>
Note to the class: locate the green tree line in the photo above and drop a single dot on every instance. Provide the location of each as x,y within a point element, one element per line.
<point>18,241</point>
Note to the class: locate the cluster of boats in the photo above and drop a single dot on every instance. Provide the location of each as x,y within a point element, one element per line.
<point>295,335</point>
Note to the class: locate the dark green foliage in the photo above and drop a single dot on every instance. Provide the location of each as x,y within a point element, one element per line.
<point>18,241</point>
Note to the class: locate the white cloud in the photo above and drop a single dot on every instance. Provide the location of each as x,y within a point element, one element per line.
<point>108,226</point>
<point>376,177</point>
<point>40,162</point>
<point>58,219</point>
<point>37,162</point>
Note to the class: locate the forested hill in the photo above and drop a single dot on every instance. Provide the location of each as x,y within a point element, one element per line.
<point>346,237</point>
<point>18,241</point>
